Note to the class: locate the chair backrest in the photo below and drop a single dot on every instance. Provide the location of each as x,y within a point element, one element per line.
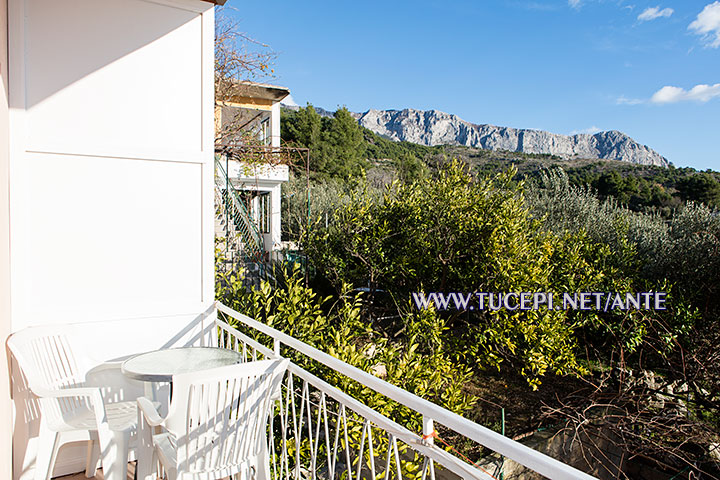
<point>219,416</point>
<point>49,361</point>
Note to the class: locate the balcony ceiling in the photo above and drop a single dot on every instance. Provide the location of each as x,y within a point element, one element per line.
<point>262,91</point>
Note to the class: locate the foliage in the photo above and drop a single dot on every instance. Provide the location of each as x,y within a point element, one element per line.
<point>497,234</point>
<point>418,362</point>
<point>453,232</point>
<point>337,147</point>
<point>680,256</point>
<point>690,255</point>
<point>323,197</point>
<point>237,55</point>
<point>340,148</point>
<point>700,187</point>
<point>641,188</point>
<point>450,234</point>
<point>563,207</point>
<point>303,127</point>
<point>683,250</point>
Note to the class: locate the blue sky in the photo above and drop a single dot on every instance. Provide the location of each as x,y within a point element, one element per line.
<point>648,68</point>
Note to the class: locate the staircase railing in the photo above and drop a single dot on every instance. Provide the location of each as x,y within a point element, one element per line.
<point>239,219</point>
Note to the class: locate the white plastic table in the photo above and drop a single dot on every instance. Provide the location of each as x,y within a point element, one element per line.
<point>161,365</point>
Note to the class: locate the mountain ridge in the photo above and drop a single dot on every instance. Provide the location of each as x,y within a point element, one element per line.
<point>433,127</point>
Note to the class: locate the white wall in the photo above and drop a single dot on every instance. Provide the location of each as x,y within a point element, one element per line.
<point>111,117</point>
<point>5,322</point>
<point>111,173</point>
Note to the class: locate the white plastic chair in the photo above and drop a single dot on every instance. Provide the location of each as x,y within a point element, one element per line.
<point>216,424</point>
<point>74,397</point>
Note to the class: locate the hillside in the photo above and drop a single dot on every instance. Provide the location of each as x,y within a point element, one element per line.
<point>434,128</point>
<point>341,148</point>
<point>639,187</point>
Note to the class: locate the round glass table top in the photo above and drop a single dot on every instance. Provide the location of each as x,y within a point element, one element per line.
<point>161,365</point>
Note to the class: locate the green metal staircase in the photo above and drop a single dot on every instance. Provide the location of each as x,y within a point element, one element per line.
<point>243,241</point>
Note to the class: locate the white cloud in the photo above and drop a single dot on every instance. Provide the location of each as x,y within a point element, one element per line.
<point>707,25</point>
<point>589,130</point>
<point>623,100</point>
<point>699,93</point>
<point>577,4</point>
<point>289,101</point>
<point>651,13</point>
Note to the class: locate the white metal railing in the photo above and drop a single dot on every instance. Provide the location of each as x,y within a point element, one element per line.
<point>323,433</point>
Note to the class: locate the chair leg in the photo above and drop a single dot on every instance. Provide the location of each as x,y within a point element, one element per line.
<point>159,471</point>
<point>46,454</point>
<point>114,447</point>
<point>93,455</point>
<point>145,452</point>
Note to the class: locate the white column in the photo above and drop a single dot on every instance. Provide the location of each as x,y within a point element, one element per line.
<point>275,225</point>
<point>275,125</point>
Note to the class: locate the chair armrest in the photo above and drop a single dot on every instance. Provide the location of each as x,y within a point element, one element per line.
<point>152,417</point>
<point>93,393</point>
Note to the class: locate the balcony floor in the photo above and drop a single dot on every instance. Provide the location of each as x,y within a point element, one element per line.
<point>98,476</point>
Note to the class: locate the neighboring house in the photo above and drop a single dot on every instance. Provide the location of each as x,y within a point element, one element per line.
<point>248,137</point>
<point>106,181</point>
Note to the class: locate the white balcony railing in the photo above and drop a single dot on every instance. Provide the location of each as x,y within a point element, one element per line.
<point>320,432</point>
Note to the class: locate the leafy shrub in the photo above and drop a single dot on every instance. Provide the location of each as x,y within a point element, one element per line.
<point>418,362</point>
<point>451,233</point>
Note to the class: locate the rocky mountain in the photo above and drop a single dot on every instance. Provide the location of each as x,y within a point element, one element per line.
<point>432,127</point>
<point>319,110</point>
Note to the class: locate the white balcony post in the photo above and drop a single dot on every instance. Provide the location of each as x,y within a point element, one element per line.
<point>276,347</point>
<point>428,434</point>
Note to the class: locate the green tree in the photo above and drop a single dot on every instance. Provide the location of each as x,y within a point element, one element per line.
<point>337,146</point>
<point>701,187</point>
<point>609,183</point>
<point>347,145</point>
<point>305,128</point>
<point>410,168</point>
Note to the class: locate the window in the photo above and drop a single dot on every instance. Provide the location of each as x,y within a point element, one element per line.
<point>264,212</point>
<point>265,136</point>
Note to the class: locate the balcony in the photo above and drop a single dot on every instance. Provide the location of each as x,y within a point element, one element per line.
<point>320,432</point>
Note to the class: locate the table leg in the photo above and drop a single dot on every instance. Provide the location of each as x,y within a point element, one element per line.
<point>143,467</point>
<point>149,391</point>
